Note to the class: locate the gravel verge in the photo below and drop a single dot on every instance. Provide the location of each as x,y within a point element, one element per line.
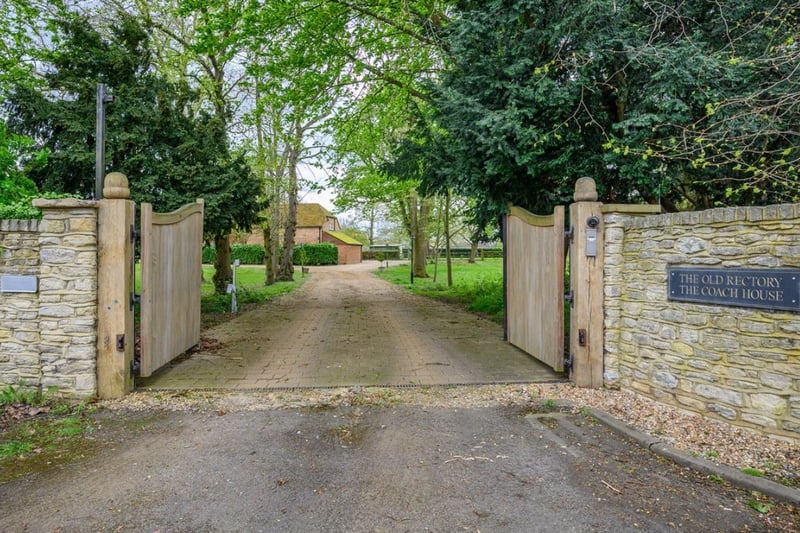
<point>696,436</point>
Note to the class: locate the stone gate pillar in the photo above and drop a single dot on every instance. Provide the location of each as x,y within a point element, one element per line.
<point>115,336</point>
<point>586,282</point>
<point>68,296</point>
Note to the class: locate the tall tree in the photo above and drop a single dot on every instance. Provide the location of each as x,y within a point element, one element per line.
<point>200,44</point>
<point>639,96</point>
<point>299,79</point>
<point>172,151</point>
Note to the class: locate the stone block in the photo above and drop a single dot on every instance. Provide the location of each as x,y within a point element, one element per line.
<point>769,403</point>
<point>665,379</point>
<point>758,420</point>
<point>58,256</point>
<point>83,225</point>
<point>772,380</point>
<point>690,245</point>
<point>752,326</point>
<point>56,311</point>
<point>723,411</point>
<point>719,394</point>
<point>683,349</point>
<point>49,225</point>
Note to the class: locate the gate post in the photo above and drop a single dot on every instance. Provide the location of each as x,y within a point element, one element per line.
<point>586,281</point>
<point>115,336</point>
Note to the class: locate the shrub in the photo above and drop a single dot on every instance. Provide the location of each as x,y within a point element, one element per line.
<point>24,210</point>
<point>247,254</point>
<point>315,254</point>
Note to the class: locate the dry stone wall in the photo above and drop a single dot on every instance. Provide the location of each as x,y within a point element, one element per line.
<point>48,337</point>
<point>739,364</point>
<point>19,316</point>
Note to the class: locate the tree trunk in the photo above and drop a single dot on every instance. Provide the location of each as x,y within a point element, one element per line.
<point>447,239</point>
<point>270,262</point>
<point>286,268</point>
<point>420,228</point>
<point>223,275</point>
<point>372,211</point>
<point>473,251</point>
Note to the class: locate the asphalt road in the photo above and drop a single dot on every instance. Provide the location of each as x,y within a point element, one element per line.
<point>370,469</point>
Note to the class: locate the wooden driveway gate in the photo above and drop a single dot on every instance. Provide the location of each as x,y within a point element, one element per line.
<point>535,252</point>
<point>171,259</point>
<point>534,274</point>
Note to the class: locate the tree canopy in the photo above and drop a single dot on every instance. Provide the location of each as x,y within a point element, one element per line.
<point>689,105</point>
<point>172,150</point>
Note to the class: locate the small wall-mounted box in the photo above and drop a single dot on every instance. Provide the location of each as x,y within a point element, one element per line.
<point>11,283</point>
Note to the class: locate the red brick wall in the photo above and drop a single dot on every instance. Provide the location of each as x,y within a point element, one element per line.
<point>307,236</point>
<point>349,254</point>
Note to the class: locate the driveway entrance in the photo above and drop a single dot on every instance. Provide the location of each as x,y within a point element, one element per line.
<point>346,327</point>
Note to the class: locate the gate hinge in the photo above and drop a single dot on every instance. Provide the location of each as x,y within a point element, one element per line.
<point>569,296</point>
<point>135,367</point>
<point>135,234</point>
<point>570,234</point>
<point>135,299</point>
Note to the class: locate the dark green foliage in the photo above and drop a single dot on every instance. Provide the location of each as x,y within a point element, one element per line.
<point>172,151</point>
<point>15,186</point>
<point>24,210</point>
<point>315,254</point>
<point>247,254</point>
<point>690,106</point>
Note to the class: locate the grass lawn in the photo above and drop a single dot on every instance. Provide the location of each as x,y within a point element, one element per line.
<point>250,289</point>
<point>478,286</point>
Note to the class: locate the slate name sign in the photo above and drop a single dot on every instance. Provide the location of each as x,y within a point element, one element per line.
<point>766,288</point>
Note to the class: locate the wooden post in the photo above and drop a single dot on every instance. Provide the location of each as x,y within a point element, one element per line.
<point>586,280</point>
<point>115,338</point>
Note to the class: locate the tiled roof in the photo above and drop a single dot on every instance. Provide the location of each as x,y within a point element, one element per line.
<point>347,239</point>
<point>311,215</point>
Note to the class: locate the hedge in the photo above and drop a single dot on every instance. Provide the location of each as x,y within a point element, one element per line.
<point>315,254</point>
<point>247,254</point>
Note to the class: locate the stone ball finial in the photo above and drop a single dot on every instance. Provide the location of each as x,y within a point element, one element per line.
<point>585,190</point>
<point>115,186</point>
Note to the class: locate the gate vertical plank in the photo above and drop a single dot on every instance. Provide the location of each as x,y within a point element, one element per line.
<point>171,280</point>
<point>535,262</point>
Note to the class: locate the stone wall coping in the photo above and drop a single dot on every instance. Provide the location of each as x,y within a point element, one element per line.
<point>25,225</point>
<point>631,209</point>
<point>64,203</point>
<point>720,215</point>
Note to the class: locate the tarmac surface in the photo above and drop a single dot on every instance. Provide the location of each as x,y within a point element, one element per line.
<point>343,327</point>
<point>369,469</point>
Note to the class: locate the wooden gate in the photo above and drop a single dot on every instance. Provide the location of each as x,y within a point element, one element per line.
<point>534,273</point>
<point>171,259</point>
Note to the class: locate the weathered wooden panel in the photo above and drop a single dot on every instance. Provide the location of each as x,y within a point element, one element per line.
<point>535,261</point>
<point>171,277</point>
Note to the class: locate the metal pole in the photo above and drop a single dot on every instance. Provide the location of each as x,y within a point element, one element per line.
<point>411,258</point>
<point>100,139</point>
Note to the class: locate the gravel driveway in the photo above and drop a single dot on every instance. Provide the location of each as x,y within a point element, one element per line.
<point>343,327</point>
